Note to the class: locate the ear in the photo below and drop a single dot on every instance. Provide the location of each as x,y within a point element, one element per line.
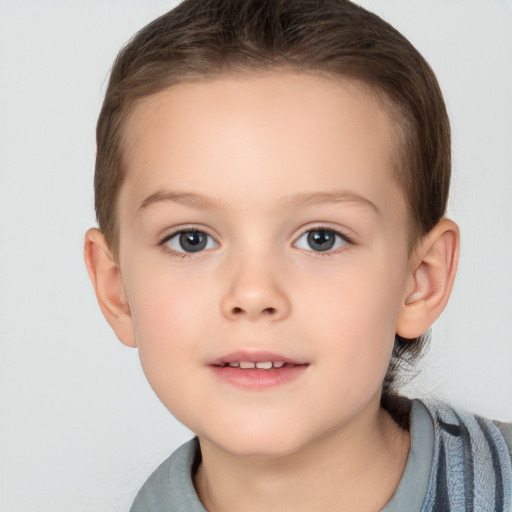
<point>108,285</point>
<point>432,271</point>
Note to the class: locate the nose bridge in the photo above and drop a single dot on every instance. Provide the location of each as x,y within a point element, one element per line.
<point>255,288</point>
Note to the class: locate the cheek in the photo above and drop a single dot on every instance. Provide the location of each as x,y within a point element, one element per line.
<point>163,299</point>
<point>365,291</point>
<point>169,312</point>
<point>169,326</point>
<point>355,312</point>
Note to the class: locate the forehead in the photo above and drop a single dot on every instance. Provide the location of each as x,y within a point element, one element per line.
<point>274,133</point>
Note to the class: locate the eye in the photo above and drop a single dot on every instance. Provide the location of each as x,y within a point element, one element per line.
<point>189,241</point>
<point>321,240</point>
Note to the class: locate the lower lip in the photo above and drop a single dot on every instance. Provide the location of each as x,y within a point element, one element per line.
<point>259,379</point>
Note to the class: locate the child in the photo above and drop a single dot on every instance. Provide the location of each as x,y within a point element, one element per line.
<point>271,184</point>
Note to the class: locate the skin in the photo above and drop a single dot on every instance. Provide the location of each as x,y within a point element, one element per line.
<point>257,163</point>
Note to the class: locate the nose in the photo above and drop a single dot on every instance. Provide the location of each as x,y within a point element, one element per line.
<point>254,294</point>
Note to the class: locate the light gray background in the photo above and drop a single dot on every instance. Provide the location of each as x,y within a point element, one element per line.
<point>79,427</point>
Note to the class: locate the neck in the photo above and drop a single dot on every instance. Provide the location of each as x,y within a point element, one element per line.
<point>332,473</point>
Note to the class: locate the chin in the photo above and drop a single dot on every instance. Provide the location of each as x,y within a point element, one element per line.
<point>259,450</point>
<point>258,443</point>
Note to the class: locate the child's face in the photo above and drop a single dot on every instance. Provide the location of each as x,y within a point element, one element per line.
<point>296,252</point>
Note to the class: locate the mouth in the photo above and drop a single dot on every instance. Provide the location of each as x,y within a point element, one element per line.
<point>260,365</point>
<point>257,371</point>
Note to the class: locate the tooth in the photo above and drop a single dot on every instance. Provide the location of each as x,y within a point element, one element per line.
<point>278,364</point>
<point>247,364</point>
<point>236,364</point>
<point>265,365</point>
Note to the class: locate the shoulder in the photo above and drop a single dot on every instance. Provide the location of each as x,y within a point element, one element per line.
<point>472,460</point>
<point>451,422</point>
<point>461,423</point>
<point>170,487</point>
<point>506,431</point>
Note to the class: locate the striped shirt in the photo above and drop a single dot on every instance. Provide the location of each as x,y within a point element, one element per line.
<point>472,464</point>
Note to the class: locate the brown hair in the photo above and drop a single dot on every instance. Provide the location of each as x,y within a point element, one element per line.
<point>207,38</point>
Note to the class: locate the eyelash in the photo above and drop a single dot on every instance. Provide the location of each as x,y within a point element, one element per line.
<point>347,241</point>
<point>184,254</point>
<point>321,254</point>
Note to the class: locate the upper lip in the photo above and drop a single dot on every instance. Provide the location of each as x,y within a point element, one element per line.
<point>254,357</point>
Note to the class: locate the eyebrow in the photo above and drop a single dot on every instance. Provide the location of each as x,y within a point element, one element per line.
<point>186,198</point>
<point>312,198</point>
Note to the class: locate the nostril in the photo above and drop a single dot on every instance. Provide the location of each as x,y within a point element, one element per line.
<point>237,311</point>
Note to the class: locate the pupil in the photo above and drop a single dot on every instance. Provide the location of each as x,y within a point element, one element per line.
<point>321,240</point>
<point>193,241</point>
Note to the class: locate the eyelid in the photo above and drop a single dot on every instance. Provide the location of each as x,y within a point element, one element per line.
<point>186,229</point>
<point>324,227</point>
<point>168,233</point>
<point>327,226</point>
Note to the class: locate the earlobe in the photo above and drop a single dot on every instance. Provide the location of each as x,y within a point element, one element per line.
<point>108,285</point>
<point>433,269</point>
